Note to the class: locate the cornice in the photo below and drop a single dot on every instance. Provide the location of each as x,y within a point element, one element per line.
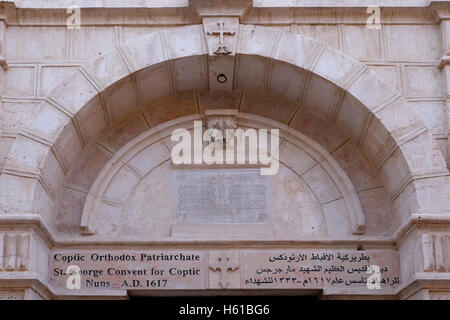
<point>423,280</point>
<point>63,4</point>
<point>175,12</point>
<point>442,9</point>
<point>22,220</point>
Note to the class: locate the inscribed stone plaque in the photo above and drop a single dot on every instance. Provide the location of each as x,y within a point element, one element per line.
<point>221,196</point>
<point>318,269</point>
<point>116,269</point>
<point>129,270</point>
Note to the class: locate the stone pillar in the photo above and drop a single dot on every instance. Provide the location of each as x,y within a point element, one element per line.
<point>435,240</point>
<point>23,261</point>
<point>443,12</point>
<point>424,259</point>
<point>3,64</point>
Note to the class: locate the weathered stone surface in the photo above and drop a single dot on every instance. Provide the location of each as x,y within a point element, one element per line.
<point>318,269</point>
<point>87,114</point>
<point>184,269</point>
<point>221,196</point>
<point>126,270</point>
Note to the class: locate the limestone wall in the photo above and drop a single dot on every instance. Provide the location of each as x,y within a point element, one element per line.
<point>407,51</point>
<point>41,51</point>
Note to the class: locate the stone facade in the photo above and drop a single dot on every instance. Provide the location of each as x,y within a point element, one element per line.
<point>91,94</point>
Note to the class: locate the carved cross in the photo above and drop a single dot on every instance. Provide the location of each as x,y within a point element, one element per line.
<point>224,265</point>
<point>222,49</point>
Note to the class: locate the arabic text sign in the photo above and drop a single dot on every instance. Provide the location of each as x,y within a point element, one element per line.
<point>317,269</point>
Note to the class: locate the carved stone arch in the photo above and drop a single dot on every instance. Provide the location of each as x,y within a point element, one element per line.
<point>386,133</point>
<point>148,143</point>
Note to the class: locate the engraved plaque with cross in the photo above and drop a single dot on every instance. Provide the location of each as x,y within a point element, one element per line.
<point>221,196</point>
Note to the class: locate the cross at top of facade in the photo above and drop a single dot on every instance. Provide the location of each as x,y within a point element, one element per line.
<point>222,49</point>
